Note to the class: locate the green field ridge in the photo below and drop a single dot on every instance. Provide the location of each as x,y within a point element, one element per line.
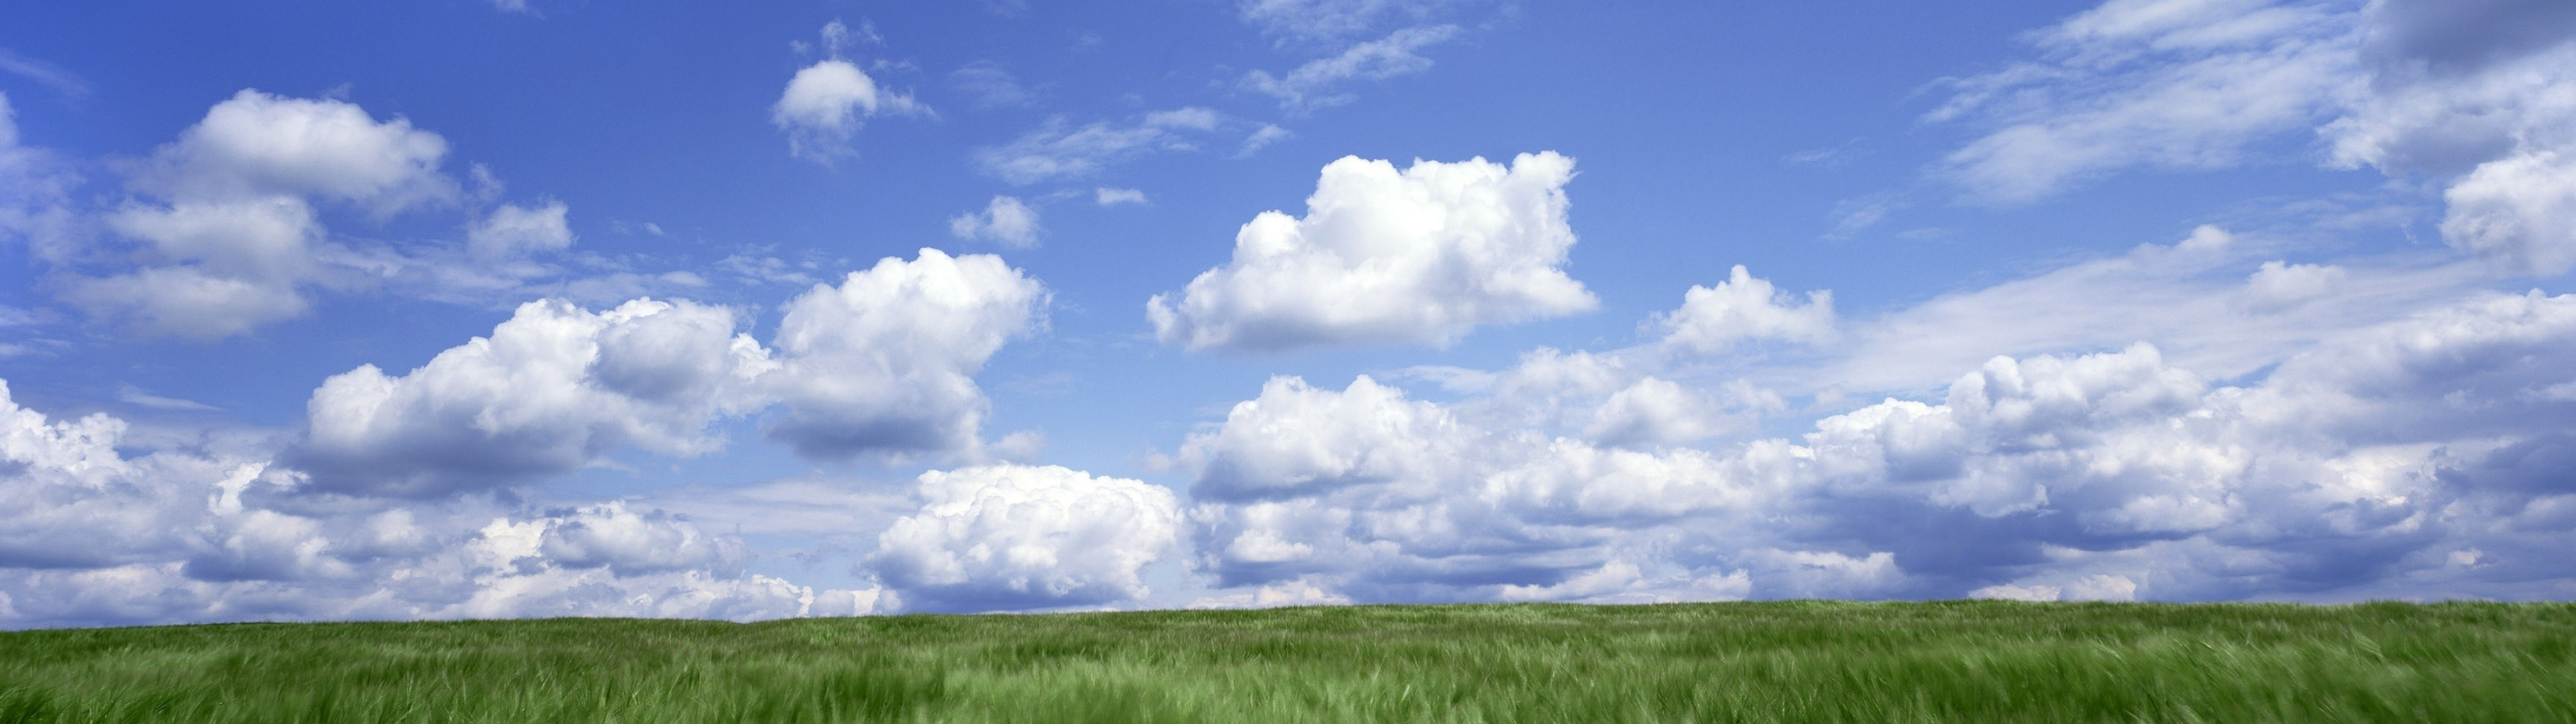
<point>1793,661</point>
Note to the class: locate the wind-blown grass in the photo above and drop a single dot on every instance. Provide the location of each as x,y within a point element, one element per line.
<point>1735,662</point>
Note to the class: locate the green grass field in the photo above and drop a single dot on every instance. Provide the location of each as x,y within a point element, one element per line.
<point>1732,662</point>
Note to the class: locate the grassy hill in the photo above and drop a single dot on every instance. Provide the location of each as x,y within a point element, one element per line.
<point>1732,662</point>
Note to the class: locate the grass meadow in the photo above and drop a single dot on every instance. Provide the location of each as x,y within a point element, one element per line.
<point>1799,661</point>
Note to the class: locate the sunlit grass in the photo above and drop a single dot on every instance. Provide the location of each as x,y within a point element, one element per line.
<point>1740,662</point>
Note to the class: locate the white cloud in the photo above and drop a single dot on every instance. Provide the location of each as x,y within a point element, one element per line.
<point>1714,320</point>
<point>826,103</point>
<point>1262,138</point>
<point>1056,150</point>
<point>2177,84</point>
<point>1106,196</point>
<point>513,231</point>
<point>1287,593</point>
<point>1007,220</point>
<point>1333,21</point>
<point>2478,95</point>
<point>225,232</point>
<point>195,533</point>
<point>255,145</point>
<point>2193,298</point>
<point>239,239</point>
<point>69,84</point>
<point>2519,212</point>
<point>629,543</point>
<point>884,363</point>
<point>881,365</point>
<point>2278,284</point>
<point>550,390</point>
<point>1421,256</point>
<point>1016,536</point>
<point>1306,88</point>
<point>1378,497</point>
<point>2355,469</point>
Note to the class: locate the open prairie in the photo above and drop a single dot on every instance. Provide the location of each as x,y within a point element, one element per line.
<point>1793,661</point>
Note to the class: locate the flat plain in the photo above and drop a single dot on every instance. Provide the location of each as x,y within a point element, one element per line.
<point>1793,661</point>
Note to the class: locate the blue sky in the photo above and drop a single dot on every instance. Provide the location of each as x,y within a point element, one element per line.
<point>482,308</point>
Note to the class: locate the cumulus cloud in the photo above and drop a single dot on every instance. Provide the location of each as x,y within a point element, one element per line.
<point>1007,220</point>
<point>1418,256</point>
<point>237,239</point>
<point>1017,536</point>
<point>198,532</point>
<point>2519,212</point>
<point>513,231</point>
<point>551,389</point>
<point>256,146</point>
<point>1373,495</point>
<point>2361,467</point>
<point>884,363</point>
<point>223,231</point>
<point>826,103</point>
<point>1713,320</point>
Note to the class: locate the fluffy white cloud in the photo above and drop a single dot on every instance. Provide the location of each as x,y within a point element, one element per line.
<point>1420,256</point>
<point>1016,536</point>
<point>825,104</point>
<point>196,532</point>
<point>2361,467</point>
<point>2279,284</point>
<point>513,231</point>
<point>1375,496</point>
<point>224,232</point>
<point>1007,220</point>
<point>255,145</point>
<point>551,389</point>
<point>238,239</point>
<point>2518,211</point>
<point>884,363</point>
<point>1713,320</point>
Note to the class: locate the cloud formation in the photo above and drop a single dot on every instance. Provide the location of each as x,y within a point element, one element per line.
<point>210,532</point>
<point>1018,536</point>
<point>1714,319</point>
<point>1059,150</point>
<point>1006,219</point>
<point>223,231</point>
<point>1418,256</point>
<point>881,365</point>
<point>2474,93</point>
<point>1307,88</point>
<point>884,364</point>
<point>826,103</point>
<point>2360,468</point>
<point>551,389</point>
